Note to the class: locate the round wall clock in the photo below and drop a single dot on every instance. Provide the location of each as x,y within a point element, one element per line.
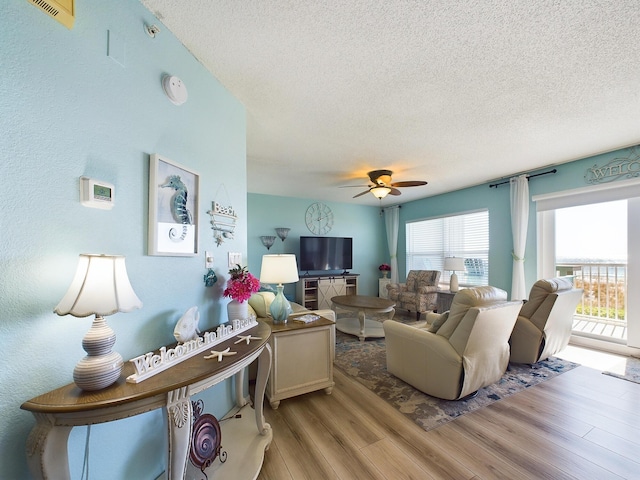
<point>319,218</point>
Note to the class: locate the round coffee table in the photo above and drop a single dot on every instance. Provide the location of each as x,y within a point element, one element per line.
<point>363,304</point>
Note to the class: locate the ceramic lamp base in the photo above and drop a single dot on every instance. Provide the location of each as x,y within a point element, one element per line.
<point>101,367</point>
<point>453,283</point>
<point>280,307</point>
<point>98,372</point>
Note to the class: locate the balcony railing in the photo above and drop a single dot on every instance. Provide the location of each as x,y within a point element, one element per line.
<point>602,310</point>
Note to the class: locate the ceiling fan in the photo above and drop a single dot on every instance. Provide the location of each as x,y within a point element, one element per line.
<point>382,185</point>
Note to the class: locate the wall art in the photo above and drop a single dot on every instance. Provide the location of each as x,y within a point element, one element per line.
<point>173,208</point>
<point>617,169</point>
<point>223,222</point>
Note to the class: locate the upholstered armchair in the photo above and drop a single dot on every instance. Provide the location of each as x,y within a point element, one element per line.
<point>545,321</point>
<point>418,294</point>
<point>461,351</point>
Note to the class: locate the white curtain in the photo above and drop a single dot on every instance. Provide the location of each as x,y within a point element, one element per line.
<point>519,223</point>
<point>392,223</point>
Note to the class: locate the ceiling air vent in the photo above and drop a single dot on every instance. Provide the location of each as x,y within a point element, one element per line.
<point>61,10</point>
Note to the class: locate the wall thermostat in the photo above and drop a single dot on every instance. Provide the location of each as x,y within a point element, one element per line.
<point>96,194</point>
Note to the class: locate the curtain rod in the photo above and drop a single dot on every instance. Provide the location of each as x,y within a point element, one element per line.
<point>528,178</point>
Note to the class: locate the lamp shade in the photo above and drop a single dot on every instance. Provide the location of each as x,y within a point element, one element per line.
<point>279,269</point>
<point>380,192</point>
<point>100,287</point>
<point>454,264</point>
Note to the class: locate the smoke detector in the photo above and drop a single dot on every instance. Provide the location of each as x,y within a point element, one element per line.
<point>175,89</point>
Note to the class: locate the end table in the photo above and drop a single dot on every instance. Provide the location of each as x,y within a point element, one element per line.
<point>302,358</point>
<point>444,300</point>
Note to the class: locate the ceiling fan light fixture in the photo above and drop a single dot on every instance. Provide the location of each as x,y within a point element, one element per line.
<point>383,179</point>
<point>380,192</point>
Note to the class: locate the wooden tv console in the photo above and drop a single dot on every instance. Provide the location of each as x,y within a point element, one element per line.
<point>316,292</point>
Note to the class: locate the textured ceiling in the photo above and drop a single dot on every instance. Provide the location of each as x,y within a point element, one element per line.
<point>456,93</point>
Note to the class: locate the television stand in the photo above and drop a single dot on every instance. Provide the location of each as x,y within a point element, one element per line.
<point>316,292</point>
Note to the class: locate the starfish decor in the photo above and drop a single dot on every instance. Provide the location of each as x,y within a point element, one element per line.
<point>246,338</point>
<point>221,354</point>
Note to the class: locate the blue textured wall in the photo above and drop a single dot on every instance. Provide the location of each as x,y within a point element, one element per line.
<point>569,175</point>
<point>364,224</point>
<point>67,109</point>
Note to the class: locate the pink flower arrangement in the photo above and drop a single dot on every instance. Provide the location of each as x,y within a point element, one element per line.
<point>384,268</point>
<point>241,285</point>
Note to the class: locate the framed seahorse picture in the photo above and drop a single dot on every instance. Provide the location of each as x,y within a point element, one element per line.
<point>174,195</point>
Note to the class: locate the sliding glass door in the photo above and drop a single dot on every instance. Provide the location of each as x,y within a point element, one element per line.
<point>591,247</point>
<point>593,235</point>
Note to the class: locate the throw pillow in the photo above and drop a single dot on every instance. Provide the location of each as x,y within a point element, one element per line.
<point>261,302</point>
<point>438,322</point>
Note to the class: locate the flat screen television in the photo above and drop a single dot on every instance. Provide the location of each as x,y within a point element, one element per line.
<point>326,253</point>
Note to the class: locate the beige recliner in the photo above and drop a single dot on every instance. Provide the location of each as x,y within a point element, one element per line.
<point>545,321</point>
<point>462,351</point>
<point>418,294</point>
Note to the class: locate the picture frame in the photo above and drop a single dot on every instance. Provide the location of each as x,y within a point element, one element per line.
<point>174,201</point>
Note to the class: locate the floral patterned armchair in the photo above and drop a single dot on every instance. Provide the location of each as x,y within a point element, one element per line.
<point>418,294</point>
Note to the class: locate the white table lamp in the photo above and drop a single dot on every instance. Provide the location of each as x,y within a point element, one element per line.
<point>100,287</point>
<point>454,264</point>
<point>279,269</point>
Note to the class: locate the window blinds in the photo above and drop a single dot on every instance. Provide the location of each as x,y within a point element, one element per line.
<point>430,241</point>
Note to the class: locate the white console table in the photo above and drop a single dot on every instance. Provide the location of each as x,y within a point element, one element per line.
<point>58,411</point>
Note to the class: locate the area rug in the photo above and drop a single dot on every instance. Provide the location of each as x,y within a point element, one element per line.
<point>632,371</point>
<point>366,362</point>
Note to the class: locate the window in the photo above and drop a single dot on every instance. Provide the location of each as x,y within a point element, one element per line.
<point>430,241</point>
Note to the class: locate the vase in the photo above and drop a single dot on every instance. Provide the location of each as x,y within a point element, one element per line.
<point>237,310</point>
<point>384,273</point>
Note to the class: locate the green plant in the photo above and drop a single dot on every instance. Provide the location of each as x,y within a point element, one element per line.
<point>601,312</point>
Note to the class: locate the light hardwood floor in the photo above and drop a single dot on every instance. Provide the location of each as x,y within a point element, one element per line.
<point>579,425</point>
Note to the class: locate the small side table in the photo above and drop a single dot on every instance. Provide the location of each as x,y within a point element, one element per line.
<point>444,300</point>
<point>302,358</point>
<point>382,287</point>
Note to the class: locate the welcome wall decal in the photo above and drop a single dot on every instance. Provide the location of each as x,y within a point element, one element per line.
<point>616,169</point>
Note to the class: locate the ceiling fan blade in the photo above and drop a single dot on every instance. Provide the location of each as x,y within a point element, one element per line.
<point>361,193</point>
<point>395,191</point>
<point>410,183</point>
<point>354,186</point>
